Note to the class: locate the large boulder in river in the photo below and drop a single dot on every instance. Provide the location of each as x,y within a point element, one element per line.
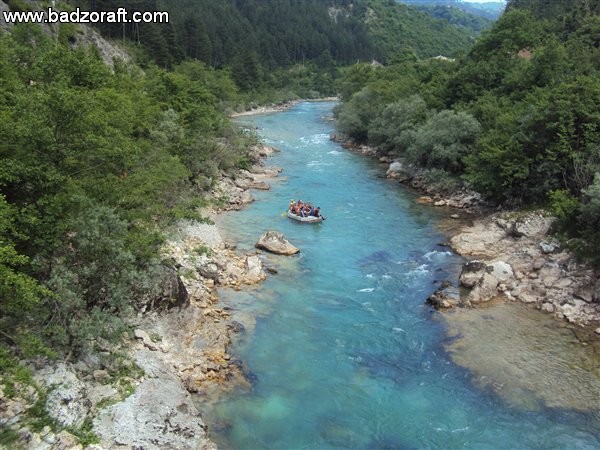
<point>472,272</point>
<point>275,242</point>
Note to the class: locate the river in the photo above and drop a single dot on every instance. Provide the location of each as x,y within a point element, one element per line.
<point>341,350</point>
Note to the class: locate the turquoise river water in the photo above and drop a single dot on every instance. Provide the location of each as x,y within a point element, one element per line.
<point>340,348</point>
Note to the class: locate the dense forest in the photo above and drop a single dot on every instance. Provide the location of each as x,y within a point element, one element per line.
<point>516,118</point>
<point>97,161</point>
<point>271,44</point>
<point>474,24</point>
<point>489,10</point>
<point>95,164</point>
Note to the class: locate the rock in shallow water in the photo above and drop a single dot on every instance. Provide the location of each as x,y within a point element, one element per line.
<point>275,242</point>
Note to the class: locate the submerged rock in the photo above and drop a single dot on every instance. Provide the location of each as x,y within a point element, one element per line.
<point>485,281</point>
<point>254,270</point>
<point>501,270</point>
<point>443,298</point>
<point>275,242</point>
<point>524,357</point>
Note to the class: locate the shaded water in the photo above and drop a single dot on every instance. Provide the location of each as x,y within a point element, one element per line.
<point>341,349</point>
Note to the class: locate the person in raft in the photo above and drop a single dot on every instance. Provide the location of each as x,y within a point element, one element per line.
<point>302,209</point>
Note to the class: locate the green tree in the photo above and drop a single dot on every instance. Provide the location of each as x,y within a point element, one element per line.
<point>354,119</point>
<point>444,140</point>
<point>247,71</point>
<point>21,294</point>
<point>394,130</point>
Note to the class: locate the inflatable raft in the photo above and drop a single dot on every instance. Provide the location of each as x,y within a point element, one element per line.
<point>308,219</point>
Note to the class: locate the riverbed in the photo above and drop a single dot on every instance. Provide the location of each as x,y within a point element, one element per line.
<point>340,349</point>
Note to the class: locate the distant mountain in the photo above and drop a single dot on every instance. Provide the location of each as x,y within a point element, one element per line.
<point>490,11</point>
<point>263,35</point>
<point>567,11</point>
<point>473,23</point>
<point>396,28</point>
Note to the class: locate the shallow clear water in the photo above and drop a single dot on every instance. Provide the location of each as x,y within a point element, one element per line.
<point>342,351</point>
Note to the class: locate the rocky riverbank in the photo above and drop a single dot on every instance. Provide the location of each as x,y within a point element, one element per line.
<point>512,255</point>
<point>275,107</point>
<point>437,193</point>
<point>523,314</point>
<point>278,107</point>
<point>143,392</point>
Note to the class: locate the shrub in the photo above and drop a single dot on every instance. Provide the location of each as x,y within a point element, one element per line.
<point>441,180</point>
<point>590,209</point>
<point>445,140</point>
<point>564,205</point>
<point>394,129</point>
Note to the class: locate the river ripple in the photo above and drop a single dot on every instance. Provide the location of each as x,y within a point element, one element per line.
<point>340,348</point>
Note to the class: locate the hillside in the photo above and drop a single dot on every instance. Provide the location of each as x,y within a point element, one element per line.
<point>516,118</point>
<point>473,23</point>
<point>272,35</point>
<point>490,10</point>
<point>397,28</point>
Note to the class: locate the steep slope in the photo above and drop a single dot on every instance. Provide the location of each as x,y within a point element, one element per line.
<point>490,10</point>
<point>473,23</point>
<point>395,27</point>
<point>517,117</point>
<point>283,33</point>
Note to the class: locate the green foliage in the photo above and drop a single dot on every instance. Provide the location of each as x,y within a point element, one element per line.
<point>94,275</point>
<point>590,209</point>
<point>379,105</point>
<point>441,180</point>
<point>8,437</point>
<point>516,117</point>
<point>18,5</point>
<point>203,250</point>
<point>444,140</point>
<point>355,119</point>
<point>395,27</point>
<point>21,294</point>
<point>67,33</point>
<point>393,131</point>
<point>93,166</point>
<point>456,16</point>
<point>272,49</point>
<point>15,375</point>
<point>564,205</point>
<point>37,415</point>
<point>85,433</point>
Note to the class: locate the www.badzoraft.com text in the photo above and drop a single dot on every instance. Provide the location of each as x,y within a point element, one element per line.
<point>50,15</point>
